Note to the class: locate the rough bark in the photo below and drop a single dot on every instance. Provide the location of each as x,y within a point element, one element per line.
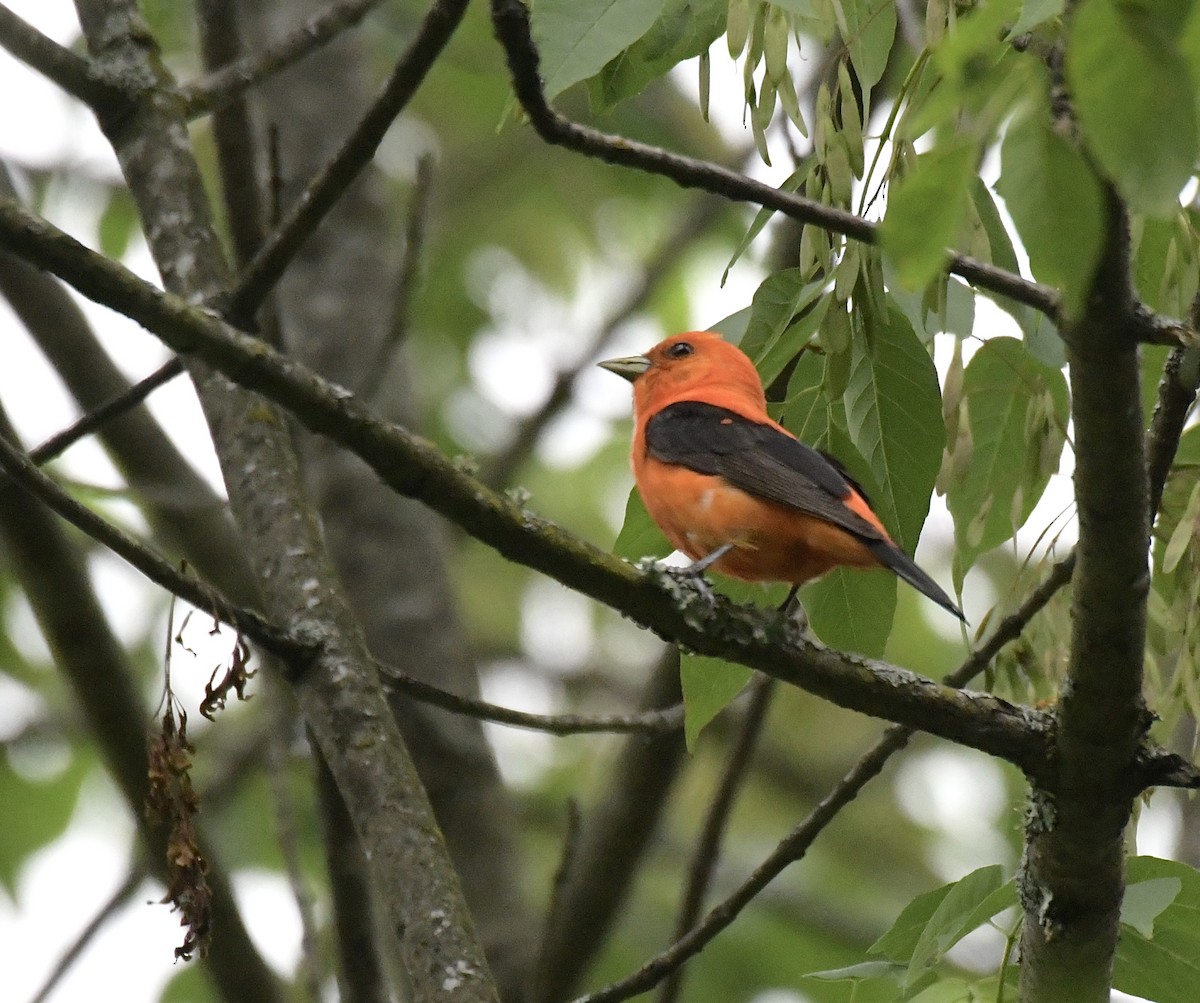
<point>335,305</point>
<point>339,694</point>
<point>1072,880</point>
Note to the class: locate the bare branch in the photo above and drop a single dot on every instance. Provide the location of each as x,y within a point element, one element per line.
<point>511,19</point>
<point>406,285</point>
<point>294,652</point>
<point>75,74</point>
<point>88,423</point>
<point>336,176</point>
<point>216,89</point>
<point>657,722</point>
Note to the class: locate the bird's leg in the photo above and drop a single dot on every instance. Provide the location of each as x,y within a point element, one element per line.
<point>698,567</point>
<point>695,571</point>
<point>794,609</point>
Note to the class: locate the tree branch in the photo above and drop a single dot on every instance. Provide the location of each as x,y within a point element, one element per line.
<point>91,421</point>
<point>296,653</point>
<point>511,20</point>
<point>1072,880</point>
<point>216,89</point>
<point>75,74</point>
<point>415,468</point>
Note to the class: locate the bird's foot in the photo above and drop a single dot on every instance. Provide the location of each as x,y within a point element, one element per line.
<point>793,609</point>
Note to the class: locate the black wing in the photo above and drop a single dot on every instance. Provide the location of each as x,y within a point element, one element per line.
<point>757,458</point>
<point>762,461</point>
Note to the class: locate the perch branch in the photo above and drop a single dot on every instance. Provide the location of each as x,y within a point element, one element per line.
<point>415,468</point>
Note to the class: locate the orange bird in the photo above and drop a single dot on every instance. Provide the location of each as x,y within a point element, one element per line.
<point>736,491</point>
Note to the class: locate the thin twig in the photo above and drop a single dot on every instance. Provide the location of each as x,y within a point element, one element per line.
<point>216,89</point>
<point>339,173</point>
<point>651,722</point>
<point>158,569</point>
<point>75,74</point>
<point>511,20</point>
<point>406,285</point>
<point>87,423</point>
<point>708,848</point>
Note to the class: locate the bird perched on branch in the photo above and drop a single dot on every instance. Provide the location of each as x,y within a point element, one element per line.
<point>736,491</point>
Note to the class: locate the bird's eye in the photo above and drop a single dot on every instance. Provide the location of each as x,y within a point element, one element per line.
<point>680,349</point>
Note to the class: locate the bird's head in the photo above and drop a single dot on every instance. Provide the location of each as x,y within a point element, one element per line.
<point>697,365</point>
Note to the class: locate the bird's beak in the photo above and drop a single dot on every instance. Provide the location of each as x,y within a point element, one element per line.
<point>630,367</point>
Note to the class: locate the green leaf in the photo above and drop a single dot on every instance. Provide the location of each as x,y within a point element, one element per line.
<point>1184,533</point>
<point>1132,91</point>
<point>852,609</point>
<point>894,420</point>
<point>805,411</point>
<point>1154,358</point>
<point>958,914</point>
<point>683,29</point>
<point>35,812</point>
<point>1057,204</point>
<point>868,28</point>
<point>118,224</point>
<point>926,209</point>
<point>784,314</point>
<point>1041,337</point>
<point>639,536</point>
<point>1001,384</point>
<point>1145,901</point>
<point>709,684</point>
<point>733,327</point>
<point>576,38</point>
<point>1035,13</point>
<point>899,942</point>
<point>1166,966</point>
<point>763,216</point>
<point>855,973</point>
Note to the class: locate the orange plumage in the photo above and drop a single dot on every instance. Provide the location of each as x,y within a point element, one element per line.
<point>735,490</point>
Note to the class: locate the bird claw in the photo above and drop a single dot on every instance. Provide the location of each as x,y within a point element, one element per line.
<point>793,609</point>
<point>695,578</point>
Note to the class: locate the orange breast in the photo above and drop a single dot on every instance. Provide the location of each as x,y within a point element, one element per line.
<point>700,513</point>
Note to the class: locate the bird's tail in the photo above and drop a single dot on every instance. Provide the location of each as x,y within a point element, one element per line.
<point>893,557</point>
